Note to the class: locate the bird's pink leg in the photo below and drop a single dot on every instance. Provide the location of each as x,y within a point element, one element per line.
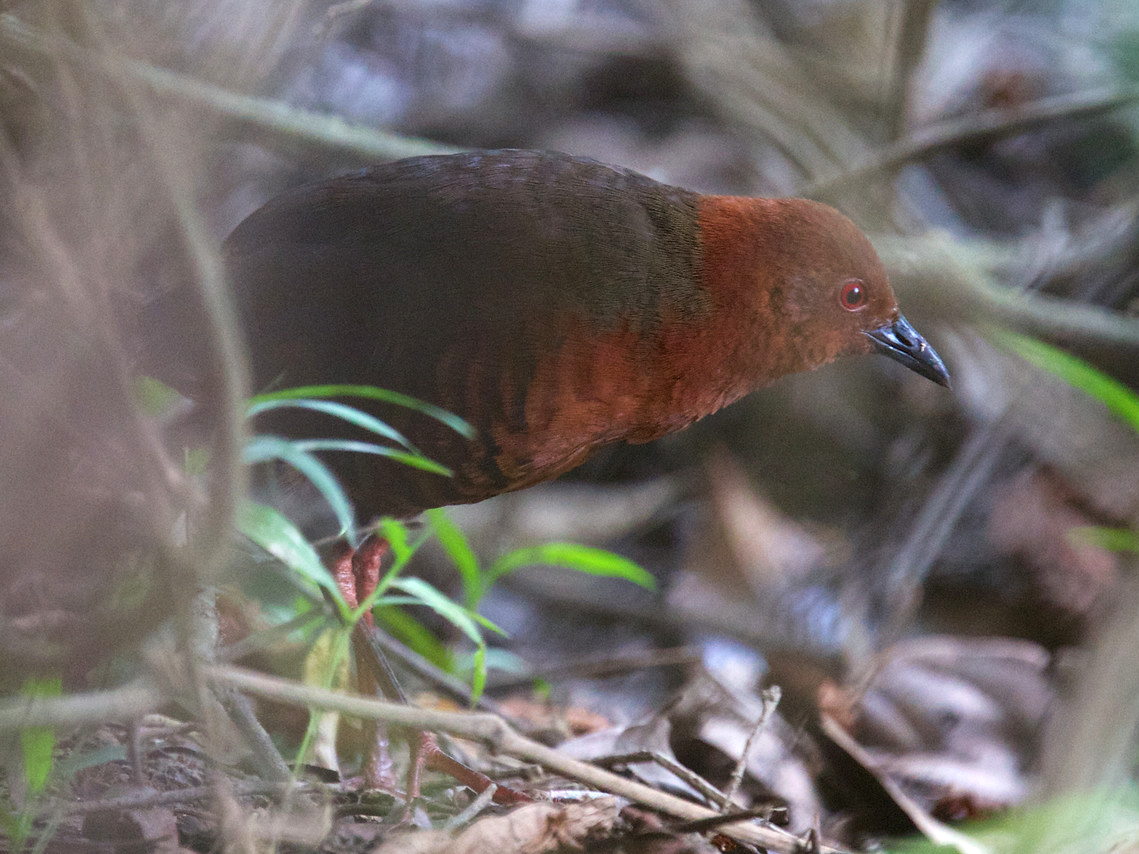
<point>353,571</point>
<point>358,574</point>
<point>427,754</point>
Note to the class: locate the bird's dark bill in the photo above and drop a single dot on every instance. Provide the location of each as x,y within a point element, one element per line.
<point>902,343</point>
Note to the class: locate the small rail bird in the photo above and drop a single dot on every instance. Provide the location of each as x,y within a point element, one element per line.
<point>557,304</point>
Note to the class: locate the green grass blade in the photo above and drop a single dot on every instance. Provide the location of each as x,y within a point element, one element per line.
<point>455,543</point>
<point>1117,397</point>
<point>37,743</point>
<point>69,766</point>
<point>371,393</point>
<point>273,532</point>
<point>416,636</point>
<point>422,641</point>
<point>326,662</point>
<point>397,536</point>
<point>415,461</point>
<point>478,677</point>
<point>465,621</point>
<point>262,449</point>
<point>349,414</point>
<point>1112,539</point>
<point>395,601</point>
<point>154,398</point>
<point>581,558</point>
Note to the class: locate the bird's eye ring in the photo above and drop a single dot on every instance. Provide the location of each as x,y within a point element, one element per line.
<point>852,297</point>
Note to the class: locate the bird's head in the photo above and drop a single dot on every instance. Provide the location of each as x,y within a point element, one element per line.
<point>823,286</point>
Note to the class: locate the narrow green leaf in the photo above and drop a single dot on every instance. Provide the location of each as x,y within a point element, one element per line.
<point>325,663</point>
<point>1117,397</point>
<point>571,556</point>
<point>1112,539</point>
<point>371,393</point>
<point>455,543</point>
<point>396,534</point>
<point>37,743</point>
<point>154,397</point>
<point>506,661</point>
<point>14,829</point>
<point>283,540</point>
<point>262,449</point>
<point>80,761</point>
<point>477,663</point>
<point>350,414</point>
<point>478,677</point>
<point>465,621</point>
<point>417,637</point>
<point>415,461</point>
<point>487,623</point>
<point>391,600</point>
<point>195,461</point>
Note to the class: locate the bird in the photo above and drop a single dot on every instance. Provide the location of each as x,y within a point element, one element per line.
<point>557,304</point>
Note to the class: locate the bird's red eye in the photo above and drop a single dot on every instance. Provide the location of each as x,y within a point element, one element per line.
<point>853,295</point>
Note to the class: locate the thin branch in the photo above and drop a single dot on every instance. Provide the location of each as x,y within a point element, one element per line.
<point>938,833</point>
<point>672,766</point>
<point>770,699</point>
<point>149,798</point>
<point>951,279</point>
<point>912,34</point>
<point>226,392</point>
<point>968,473</point>
<point>119,704</point>
<point>258,114</point>
<point>443,682</point>
<point>984,126</point>
<point>473,810</point>
<point>265,756</point>
<point>495,733</point>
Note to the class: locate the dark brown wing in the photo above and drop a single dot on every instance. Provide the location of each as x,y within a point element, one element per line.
<point>452,279</point>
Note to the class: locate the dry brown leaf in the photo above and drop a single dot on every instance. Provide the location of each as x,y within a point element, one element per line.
<point>949,717</point>
<point>153,829</point>
<point>933,829</point>
<point>1033,515</point>
<point>531,829</point>
<point>750,547</point>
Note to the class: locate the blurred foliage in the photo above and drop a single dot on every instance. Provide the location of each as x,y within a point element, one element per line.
<point>1104,821</point>
<point>992,146</point>
<point>279,537</point>
<point>37,755</point>
<point>1122,401</point>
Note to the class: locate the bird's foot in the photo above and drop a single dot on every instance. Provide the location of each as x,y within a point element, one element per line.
<point>426,753</point>
<point>357,573</point>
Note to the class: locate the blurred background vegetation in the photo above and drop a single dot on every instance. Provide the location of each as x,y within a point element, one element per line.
<point>944,577</point>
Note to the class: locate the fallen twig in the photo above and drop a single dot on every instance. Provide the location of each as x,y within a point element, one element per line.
<point>501,738</point>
